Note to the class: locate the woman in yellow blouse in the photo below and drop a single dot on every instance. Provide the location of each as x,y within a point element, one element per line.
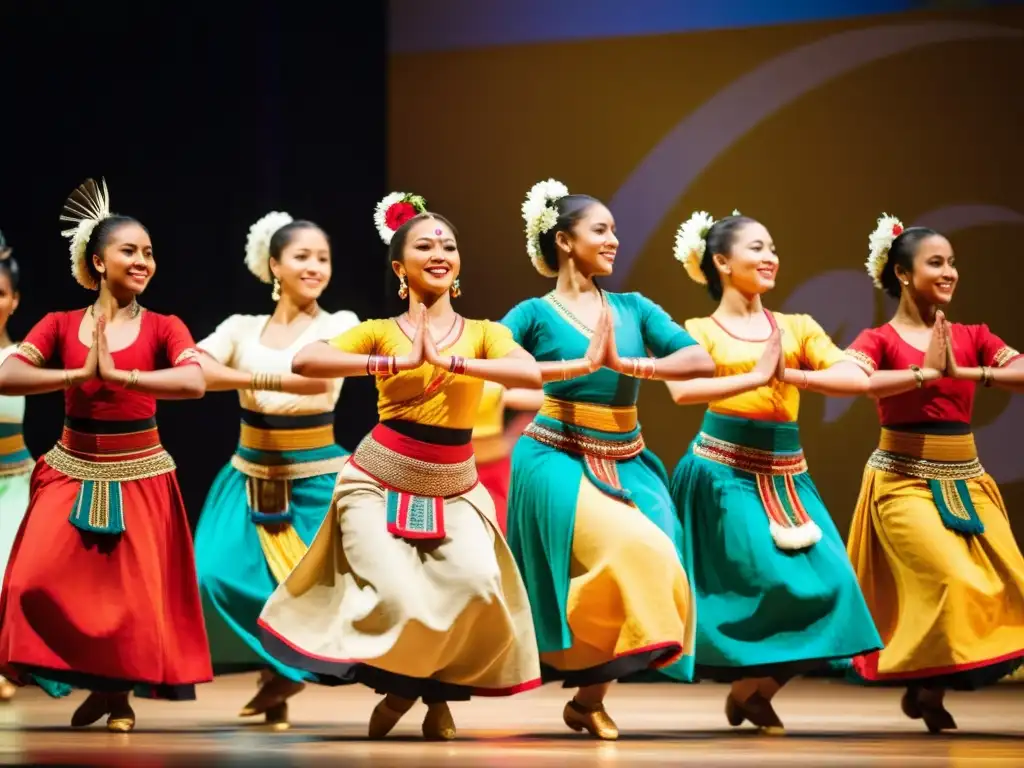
<point>409,586</point>
<point>776,595</point>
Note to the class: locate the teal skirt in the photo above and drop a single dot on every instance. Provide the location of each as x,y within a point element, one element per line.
<point>543,490</point>
<point>234,578</point>
<point>14,495</point>
<point>764,610</point>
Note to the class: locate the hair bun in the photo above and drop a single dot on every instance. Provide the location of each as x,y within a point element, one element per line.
<point>394,210</point>
<point>257,244</point>
<point>880,242</point>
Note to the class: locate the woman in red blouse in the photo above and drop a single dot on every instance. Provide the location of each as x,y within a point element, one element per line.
<point>930,539</point>
<point>100,592</point>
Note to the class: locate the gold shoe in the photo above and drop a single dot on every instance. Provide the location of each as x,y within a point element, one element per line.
<point>7,689</point>
<point>95,706</point>
<point>438,725</point>
<point>596,721</point>
<point>274,691</point>
<point>383,719</point>
<point>122,716</point>
<point>277,717</point>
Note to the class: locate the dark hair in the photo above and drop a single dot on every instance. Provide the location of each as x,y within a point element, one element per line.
<point>902,252</point>
<point>570,210</point>
<point>397,244</point>
<point>8,265</point>
<point>100,239</point>
<point>283,236</point>
<point>720,239</point>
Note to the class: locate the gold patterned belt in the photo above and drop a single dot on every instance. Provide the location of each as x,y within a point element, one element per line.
<point>276,448</point>
<point>581,444</point>
<point>944,462</point>
<point>753,460</point>
<point>602,418</point>
<point>412,466</point>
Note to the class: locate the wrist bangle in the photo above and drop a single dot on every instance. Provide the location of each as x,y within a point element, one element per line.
<point>457,365</point>
<point>986,376</point>
<point>803,379</point>
<point>67,379</point>
<point>565,369</point>
<point>918,376</point>
<point>133,379</point>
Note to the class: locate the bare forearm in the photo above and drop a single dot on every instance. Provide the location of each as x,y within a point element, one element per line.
<point>689,363</point>
<point>223,378</point>
<point>889,383</point>
<point>185,382</point>
<point>510,372</point>
<point>705,390</point>
<point>1010,378</point>
<point>20,378</point>
<point>565,369</point>
<point>840,380</point>
<point>319,360</point>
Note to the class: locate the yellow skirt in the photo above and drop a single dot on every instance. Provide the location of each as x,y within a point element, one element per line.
<point>949,606</point>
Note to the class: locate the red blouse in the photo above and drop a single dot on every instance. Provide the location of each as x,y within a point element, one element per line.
<point>946,399</point>
<point>163,342</point>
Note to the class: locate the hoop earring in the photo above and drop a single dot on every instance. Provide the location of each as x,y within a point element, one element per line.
<point>275,294</point>
<point>456,290</point>
<point>403,288</point>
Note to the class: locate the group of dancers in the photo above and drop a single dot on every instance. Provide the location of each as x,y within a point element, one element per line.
<point>431,565</point>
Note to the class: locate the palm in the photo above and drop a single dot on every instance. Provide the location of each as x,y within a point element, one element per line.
<point>936,355</point>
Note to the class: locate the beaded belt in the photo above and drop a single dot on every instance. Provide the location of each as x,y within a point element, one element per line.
<point>102,455</point>
<point>417,478</point>
<point>945,462</point>
<point>14,456</point>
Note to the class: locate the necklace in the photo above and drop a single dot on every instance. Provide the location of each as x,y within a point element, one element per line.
<point>553,298</point>
<point>133,310</point>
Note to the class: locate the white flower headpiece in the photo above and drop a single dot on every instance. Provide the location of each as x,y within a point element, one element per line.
<point>879,243</point>
<point>257,244</point>
<point>540,216</point>
<point>691,242</point>
<point>394,210</point>
<point>86,207</point>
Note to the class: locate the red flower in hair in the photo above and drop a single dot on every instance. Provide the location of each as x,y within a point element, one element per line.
<point>897,230</point>
<point>397,214</point>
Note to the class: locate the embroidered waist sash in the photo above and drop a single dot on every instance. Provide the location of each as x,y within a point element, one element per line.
<point>274,450</point>
<point>102,455</point>
<point>601,435</point>
<point>14,456</point>
<point>771,452</point>
<point>417,477</point>
<point>945,462</point>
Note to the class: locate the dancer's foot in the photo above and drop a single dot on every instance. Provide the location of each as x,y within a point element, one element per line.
<point>7,689</point>
<point>591,718</point>
<point>438,725</point>
<point>274,691</point>
<point>95,706</point>
<point>386,715</point>
<point>758,710</point>
<point>934,713</point>
<point>122,716</point>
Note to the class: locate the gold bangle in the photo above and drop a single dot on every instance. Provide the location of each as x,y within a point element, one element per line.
<point>133,379</point>
<point>254,383</point>
<point>654,368</point>
<point>803,383</point>
<point>67,379</point>
<point>918,375</point>
<point>986,376</point>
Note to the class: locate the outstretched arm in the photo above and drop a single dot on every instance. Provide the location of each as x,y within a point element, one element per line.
<point>517,369</point>
<point>223,378</point>
<point>706,390</point>
<point>20,378</point>
<point>840,380</point>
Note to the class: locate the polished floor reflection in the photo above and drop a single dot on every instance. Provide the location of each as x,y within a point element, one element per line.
<point>829,724</point>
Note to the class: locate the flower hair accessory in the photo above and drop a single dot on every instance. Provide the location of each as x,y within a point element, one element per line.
<point>879,243</point>
<point>257,244</point>
<point>691,242</point>
<point>540,216</point>
<point>394,210</point>
<point>86,207</point>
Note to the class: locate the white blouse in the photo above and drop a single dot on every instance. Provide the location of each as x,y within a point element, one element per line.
<point>236,344</point>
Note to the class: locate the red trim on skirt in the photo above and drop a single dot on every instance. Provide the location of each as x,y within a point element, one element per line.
<point>494,476</point>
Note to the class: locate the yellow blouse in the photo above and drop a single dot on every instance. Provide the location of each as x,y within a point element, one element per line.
<point>429,395</point>
<point>490,417</point>
<point>805,345</point>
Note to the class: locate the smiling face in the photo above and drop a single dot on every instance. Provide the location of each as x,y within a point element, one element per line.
<point>304,266</point>
<point>126,260</point>
<point>591,242</point>
<point>934,276</point>
<point>430,258</point>
<point>751,265</point>
<point>8,298</point>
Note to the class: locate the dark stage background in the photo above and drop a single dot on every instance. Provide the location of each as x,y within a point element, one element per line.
<point>202,117</point>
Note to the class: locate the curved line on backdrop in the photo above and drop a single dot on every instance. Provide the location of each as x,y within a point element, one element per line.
<point>669,169</point>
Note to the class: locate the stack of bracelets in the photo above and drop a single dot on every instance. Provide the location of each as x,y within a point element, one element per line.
<point>643,367</point>
<point>457,365</point>
<point>266,381</point>
<point>380,365</point>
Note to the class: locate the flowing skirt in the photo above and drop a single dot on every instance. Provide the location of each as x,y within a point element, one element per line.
<point>949,605</point>
<point>771,601</point>
<point>442,617</point>
<point>14,496</point>
<point>495,475</point>
<point>598,543</point>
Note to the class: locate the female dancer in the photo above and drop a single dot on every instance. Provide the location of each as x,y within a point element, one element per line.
<point>776,595</point>
<point>15,462</point>
<point>590,520</point>
<point>100,592</point>
<point>492,445</point>
<point>409,587</point>
<point>930,539</point>
<point>267,503</point>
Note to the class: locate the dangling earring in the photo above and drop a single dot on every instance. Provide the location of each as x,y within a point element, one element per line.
<point>906,282</point>
<point>455,289</point>
<point>276,293</point>
<point>403,289</point>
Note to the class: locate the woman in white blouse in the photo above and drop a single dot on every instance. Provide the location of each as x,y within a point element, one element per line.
<point>267,503</point>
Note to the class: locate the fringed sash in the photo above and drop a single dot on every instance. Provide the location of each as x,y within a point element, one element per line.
<point>14,456</point>
<point>771,452</point>
<point>417,477</point>
<point>945,462</point>
<point>102,455</point>
<point>601,435</point>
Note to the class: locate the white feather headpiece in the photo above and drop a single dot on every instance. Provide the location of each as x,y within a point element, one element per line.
<point>879,243</point>
<point>394,210</point>
<point>257,244</point>
<point>540,216</point>
<point>86,207</point>
<point>691,242</point>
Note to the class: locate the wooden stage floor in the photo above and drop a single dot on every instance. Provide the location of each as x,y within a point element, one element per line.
<point>829,724</point>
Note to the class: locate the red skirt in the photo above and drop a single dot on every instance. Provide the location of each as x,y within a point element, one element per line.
<point>494,475</point>
<point>101,611</point>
